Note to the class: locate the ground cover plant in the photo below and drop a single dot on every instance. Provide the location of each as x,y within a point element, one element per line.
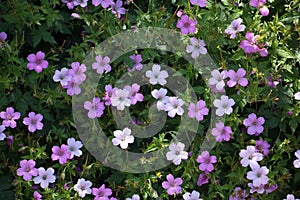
<point>227,131</point>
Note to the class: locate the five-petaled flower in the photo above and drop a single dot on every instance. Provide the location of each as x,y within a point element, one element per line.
<point>27,169</point>
<point>197,47</point>
<point>177,153</point>
<point>83,187</point>
<point>9,116</point>
<point>206,161</point>
<point>186,25</point>
<point>223,105</point>
<point>156,75</point>
<point>62,154</point>
<point>172,185</point>
<point>37,62</point>
<point>33,121</point>
<point>123,138</point>
<point>254,124</point>
<point>95,107</point>
<point>45,177</point>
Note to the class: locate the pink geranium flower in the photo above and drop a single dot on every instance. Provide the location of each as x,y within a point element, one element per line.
<point>254,124</point>
<point>177,153</point>
<point>258,175</point>
<point>62,154</point>
<point>95,107</point>
<point>221,132</point>
<point>250,156</point>
<point>102,64</point>
<point>198,111</point>
<point>202,179</point>
<point>9,117</point>
<point>237,78</point>
<point>45,177</point>
<point>104,3</point>
<point>33,121</point>
<point>101,193</point>
<point>206,161</point>
<point>186,25</point>
<point>37,196</point>
<point>172,185</point>
<point>201,3</point>
<point>37,62</point>
<point>27,169</point>
<point>236,26</point>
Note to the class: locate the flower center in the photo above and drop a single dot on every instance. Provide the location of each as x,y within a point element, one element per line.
<point>45,177</point>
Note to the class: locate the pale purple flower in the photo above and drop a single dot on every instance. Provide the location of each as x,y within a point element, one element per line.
<point>123,138</point>
<point>101,193</point>
<point>237,78</point>
<point>74,147</point>
<point>290,197</point>
<point>173,106</point>
<point>221,132</point>
<point>83,187</point>
<point>172,185</point>
<point>296,162</point>
<point>270,188</point>
<point>157,76</point>
<point>120,98</point>
<point>37,62</point>
<point>102,64</point>
<point>73,87</point>
<point>3,37</point>
<point>258,175</point>
<point>263,52</point>
<point>259,189</point>
<point>198,111</point>
<point>37,196</point>
<point>213,89</point>
<point>262,147</point>
<point>186,25</point>
<point>257,3</point>
<point>201,3</point>
<point>238,194</point>
<point>133,93</point>
<point>236,26</point>
<point>202,179</point>
<point>117,9</point>
<point>95,108</point>
<point>104,3</point>
<point>70,3</point>
<point>62,154</point>
<point>27,169</point>
<point>192,196</point>
<point>264,11</point>
<point>162,98</point>
<point>2,134</point>
<point>137,59</point>
<point>197,47</point>
<point>177,153</point>
<point>254,124</point>
<point>75,15</point>
<point>108,94</point>
<point>297,96</point>
<point>9,116</point>
<point>206,161</point>
<point>45,177</point>
<point>77,72</point>
<point>134,197</point>
<point>217,79</point>
<point>223,105</point>
<point>81,3</point>
<point>62,77</point>
<point>250,156</point>
<point>33,121</point>
<point>250,44</point>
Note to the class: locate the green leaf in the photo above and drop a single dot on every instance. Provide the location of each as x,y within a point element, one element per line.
<point>36,39</point>
<point>47,37</point>
<point>285,53</point>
